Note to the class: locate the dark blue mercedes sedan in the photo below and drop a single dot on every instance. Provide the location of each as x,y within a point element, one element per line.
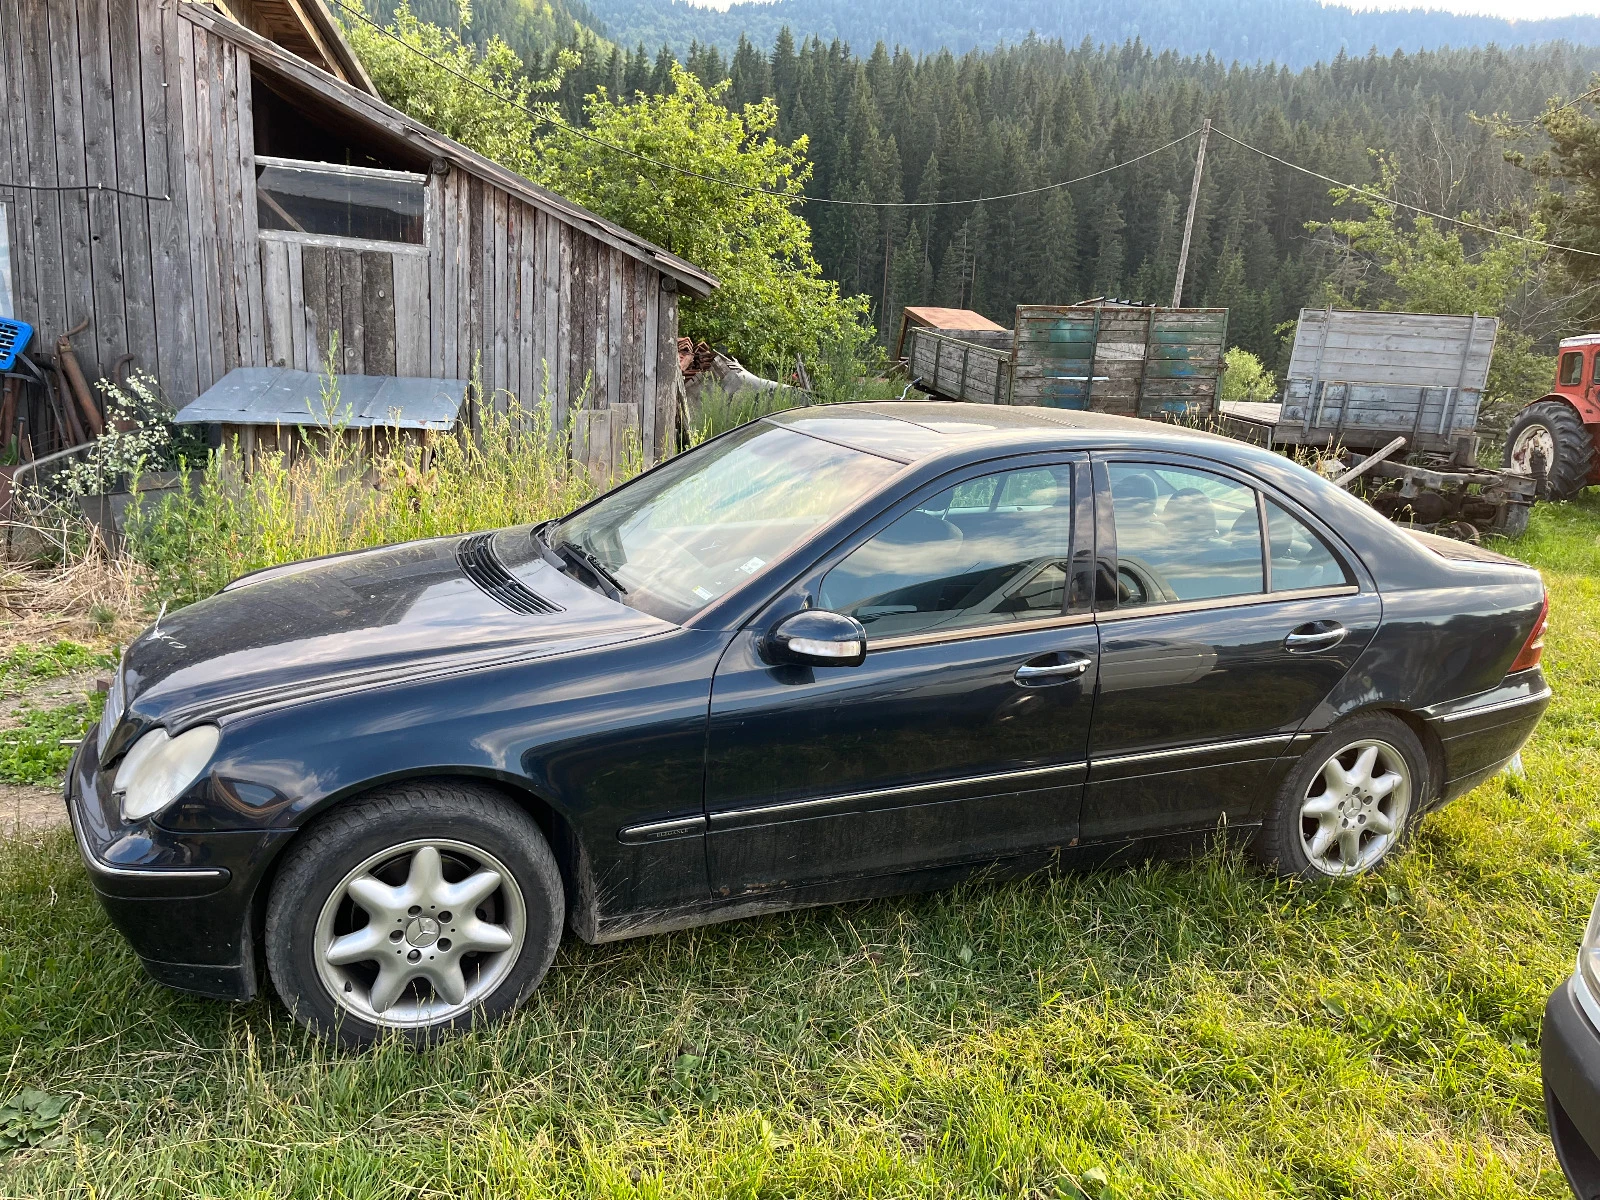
<point>836,653</point>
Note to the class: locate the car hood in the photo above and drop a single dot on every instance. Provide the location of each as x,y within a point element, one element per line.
<point>367,618</point>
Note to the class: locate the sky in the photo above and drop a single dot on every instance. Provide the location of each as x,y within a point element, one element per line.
<point>1520,10</point>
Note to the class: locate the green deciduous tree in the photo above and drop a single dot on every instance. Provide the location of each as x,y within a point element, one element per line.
<point>735,218</point>
<point>1419,266</point>
<point>484,101</point>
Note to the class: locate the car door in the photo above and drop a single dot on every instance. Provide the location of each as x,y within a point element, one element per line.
<point>963,734</point>
<point>1215,646</point>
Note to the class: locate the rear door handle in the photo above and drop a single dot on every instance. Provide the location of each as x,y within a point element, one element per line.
<point>1314,636</point>
<point>1040,674</point>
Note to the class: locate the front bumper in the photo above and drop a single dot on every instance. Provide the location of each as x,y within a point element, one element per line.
<point>1570,1060</point>
<point>183,901</point>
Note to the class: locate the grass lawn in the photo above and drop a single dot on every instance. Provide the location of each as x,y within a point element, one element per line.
<point>1162,1030</point>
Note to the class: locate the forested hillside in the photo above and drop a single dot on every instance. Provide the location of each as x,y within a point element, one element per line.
<point>1295,32</point>
<point>893,127</point>
<point>896,127</point>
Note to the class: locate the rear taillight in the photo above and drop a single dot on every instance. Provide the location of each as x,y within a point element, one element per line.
<point>1533,648</point>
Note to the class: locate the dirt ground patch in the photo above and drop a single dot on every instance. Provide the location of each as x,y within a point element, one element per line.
<point>49,693</point>
<point>26,809</point>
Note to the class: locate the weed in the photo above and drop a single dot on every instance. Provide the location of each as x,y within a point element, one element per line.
<point>342,493</point>
<point>25,664</point>
<point>36,750</point>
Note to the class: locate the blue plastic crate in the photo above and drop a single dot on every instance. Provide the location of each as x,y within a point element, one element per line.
<point>14,339</point>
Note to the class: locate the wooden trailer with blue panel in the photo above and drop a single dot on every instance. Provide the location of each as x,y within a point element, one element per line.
<point>1137,360</point>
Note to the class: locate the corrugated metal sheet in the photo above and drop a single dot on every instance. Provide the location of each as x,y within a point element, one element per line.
<point>277,396</point>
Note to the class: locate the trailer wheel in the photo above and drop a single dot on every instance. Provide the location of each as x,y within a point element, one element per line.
<point>1552,430</point>
<point>1512,521</point>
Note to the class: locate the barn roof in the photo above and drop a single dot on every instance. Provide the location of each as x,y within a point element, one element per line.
<point>305,27</point>
<point>393,125</point>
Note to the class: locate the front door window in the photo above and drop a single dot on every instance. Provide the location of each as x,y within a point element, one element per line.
<point>989,551</point>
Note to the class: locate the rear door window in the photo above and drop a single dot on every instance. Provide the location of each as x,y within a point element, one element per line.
<point>1300,559</point>
<point>1183,535</point>
<point>989,551</point>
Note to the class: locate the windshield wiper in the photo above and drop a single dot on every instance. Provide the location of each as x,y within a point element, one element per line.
<point>608,582</point>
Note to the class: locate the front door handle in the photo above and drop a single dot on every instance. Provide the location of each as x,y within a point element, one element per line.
<point>1064,668</point>
<point>1314,636</point>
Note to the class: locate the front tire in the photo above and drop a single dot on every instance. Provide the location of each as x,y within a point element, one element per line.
<point>1350,803</point>
<point>419,909</point>
<point>1553,430</point>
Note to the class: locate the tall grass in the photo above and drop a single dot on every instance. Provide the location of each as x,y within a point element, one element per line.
<point>344,492</point>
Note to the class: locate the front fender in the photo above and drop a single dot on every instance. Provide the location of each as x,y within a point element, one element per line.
<point>606,738</point>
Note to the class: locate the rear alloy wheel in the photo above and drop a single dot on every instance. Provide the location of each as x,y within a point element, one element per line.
<point>419,909</point>
<point>1349,803</point>
<point>1551,430</point>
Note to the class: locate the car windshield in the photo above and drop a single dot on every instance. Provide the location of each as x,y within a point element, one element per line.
<point>698,526</point>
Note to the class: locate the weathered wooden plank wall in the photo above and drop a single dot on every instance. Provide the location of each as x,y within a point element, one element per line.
<point>144,119</point>
<point>1134,361</point>
<point>1408,349</point>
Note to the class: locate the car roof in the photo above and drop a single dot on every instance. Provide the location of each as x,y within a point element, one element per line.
<point>909,431</point>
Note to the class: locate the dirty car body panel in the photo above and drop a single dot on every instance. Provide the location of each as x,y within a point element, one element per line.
<point>683,775</point>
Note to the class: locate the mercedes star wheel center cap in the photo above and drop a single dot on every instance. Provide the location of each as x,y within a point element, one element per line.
<point>422,931</point>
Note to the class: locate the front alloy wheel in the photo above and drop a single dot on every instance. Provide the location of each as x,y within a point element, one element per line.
<point>417,934</point>
<point>1355,808</point>
<point>417,909</point>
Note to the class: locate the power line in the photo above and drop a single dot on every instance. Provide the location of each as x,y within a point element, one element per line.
<point>80,188</point>
<point>733,183</point>
<point>1464,223</point>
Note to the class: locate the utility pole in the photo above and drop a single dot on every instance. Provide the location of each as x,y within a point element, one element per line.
<point>1188,222</point>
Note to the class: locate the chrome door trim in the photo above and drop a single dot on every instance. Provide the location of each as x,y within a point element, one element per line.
<point>763,814</point>
<point>973,632</point>
<point>661,831</point>
<point>1201,748</point>
<point>1187,606</point>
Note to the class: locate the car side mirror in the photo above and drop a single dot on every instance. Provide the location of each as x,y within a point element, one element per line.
<point>818,638</point>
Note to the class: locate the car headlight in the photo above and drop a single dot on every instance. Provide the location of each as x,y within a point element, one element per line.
<point>1588,983</point>
<point>158,768</point>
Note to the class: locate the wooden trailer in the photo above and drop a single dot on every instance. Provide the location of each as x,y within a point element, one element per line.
<point>1132,359</point>
<point>1362,379</point>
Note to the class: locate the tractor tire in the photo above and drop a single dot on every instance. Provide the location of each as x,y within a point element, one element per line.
<point>1553,428</point>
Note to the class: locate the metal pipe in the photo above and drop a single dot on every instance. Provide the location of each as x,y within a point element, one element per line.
<point>67,360</point>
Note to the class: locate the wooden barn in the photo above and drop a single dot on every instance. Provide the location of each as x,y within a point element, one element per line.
<point>215,187</point>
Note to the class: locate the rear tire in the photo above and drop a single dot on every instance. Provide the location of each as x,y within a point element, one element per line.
<point>1554,428</point>
<point>1350,803</point>
<point>419,909</point>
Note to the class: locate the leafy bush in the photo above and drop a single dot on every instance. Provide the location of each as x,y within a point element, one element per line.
<point>35,750</point>
<point>484,101</point>
<point>139,437</point>
<point>26,664</point>
<point>1245,377</point>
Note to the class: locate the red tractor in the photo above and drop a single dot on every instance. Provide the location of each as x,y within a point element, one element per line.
<point>1558,436</point>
